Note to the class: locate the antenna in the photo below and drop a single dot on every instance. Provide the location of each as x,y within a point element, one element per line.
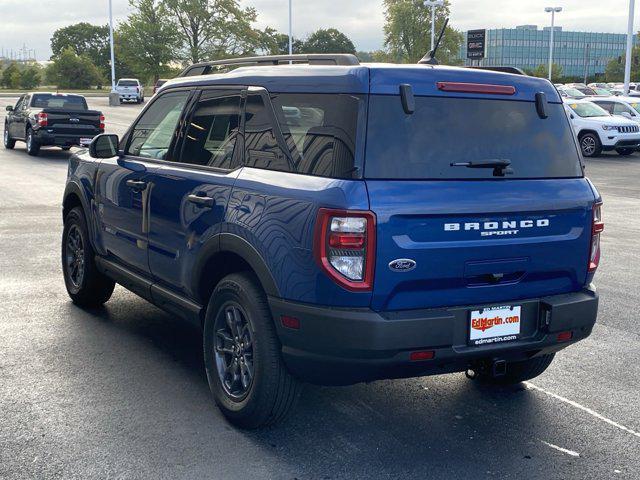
<point>430,58</point>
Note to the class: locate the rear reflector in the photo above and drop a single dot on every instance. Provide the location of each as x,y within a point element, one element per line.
<point>564,336</point>
<point>596,229</point>
<point>426,355</point>
<point>476,88</point>
<point>290,322</point>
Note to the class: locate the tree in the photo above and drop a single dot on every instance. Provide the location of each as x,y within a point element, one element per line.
<point>11,76</point>
<point>407,32</point>
<point>148,39</point>
<point>212,29</point>
<point>542,71</point>
<point>328,41</point>
<point>85,39</point>
<point>614,72</point>
<point>281,45</point>
<point>30,77</point>
<point>70,70</point>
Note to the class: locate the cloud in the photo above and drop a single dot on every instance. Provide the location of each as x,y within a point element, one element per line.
<point>361,20</point>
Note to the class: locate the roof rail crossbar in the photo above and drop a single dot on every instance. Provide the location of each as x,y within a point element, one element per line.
<point>310,59</point>
<point>514,70</point>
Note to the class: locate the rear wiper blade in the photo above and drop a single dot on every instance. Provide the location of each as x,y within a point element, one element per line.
<point>500,166</point>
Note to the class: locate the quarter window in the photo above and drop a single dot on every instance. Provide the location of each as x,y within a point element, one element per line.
<point>154,132</point>
<point>212,131</point>
<point>262,148</point>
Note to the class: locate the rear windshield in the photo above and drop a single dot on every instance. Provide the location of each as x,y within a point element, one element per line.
<point>127,83</point>
<point>443,131</point>
<point>66,102</point>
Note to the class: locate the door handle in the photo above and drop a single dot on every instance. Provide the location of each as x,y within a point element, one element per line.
<point>201,201</point>
<point>137,185</point>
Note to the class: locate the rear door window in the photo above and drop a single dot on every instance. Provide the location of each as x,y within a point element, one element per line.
<point>212,130</point>
<point>261,141</point>
<point>443,131</point>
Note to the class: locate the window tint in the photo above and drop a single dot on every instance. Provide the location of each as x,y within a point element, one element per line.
<point>212,131</point>
<point>261,144</point>
<point>608,106</point>
<point>444,130</point>
<point>154,132</point>
<point>67,102</point>
<point>320,131</point>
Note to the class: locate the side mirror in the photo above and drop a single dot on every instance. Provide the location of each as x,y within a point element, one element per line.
<point>9,108</point>
<point>104,146</point>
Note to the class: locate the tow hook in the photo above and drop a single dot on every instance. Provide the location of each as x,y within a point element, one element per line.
<point>471,374</point>
<point>499,368</point>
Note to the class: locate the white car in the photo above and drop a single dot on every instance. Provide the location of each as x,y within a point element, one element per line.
<point>598,130</point>
<point>628,107</point>
<point>130,89</point>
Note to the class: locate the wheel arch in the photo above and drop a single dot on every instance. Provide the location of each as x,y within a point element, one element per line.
<point>226,254</point>
<point>584,131</point>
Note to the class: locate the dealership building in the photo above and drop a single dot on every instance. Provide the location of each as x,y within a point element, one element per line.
<point>527,47</point>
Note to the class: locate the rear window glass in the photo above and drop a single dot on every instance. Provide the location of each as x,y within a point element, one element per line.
<point>320,131</point>
<point>443,131</point>
<point>49,100</point>
<point>127,83</point>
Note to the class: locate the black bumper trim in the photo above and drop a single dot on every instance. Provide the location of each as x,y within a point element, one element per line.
<point>342,346</point>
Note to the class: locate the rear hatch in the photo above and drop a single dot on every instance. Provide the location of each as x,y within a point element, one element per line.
<point>80,122</point>
<point>450,235</point>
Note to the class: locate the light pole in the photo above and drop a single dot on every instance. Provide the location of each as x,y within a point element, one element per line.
<point>553,11</point>
<point>627,61</point>
<point>433,4</point>
<point>290,27</point>
<point>113,64</point>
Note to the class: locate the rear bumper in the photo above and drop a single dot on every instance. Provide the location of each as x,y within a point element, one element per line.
<point>45,138</point>
<point>336,346</point>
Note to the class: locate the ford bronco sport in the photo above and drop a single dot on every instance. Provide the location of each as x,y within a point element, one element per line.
<point>334,222</point>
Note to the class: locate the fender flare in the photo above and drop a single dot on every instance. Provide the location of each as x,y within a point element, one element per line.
<point>228,242</point>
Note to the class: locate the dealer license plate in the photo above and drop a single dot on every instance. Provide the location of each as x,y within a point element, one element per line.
<point>494,325</point>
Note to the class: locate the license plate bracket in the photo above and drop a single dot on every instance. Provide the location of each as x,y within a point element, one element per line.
<point>493,325</point>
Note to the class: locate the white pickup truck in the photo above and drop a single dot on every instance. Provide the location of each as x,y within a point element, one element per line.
<point>130,89</point>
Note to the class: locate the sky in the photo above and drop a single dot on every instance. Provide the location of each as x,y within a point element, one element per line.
<point>31,23</point>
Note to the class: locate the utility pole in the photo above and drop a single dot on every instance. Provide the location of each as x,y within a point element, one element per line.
<point>586,62</point>
<point>114,98</point>
<point>433,4</point>
<point>290,27</point>
<point>553,11</point>
<point>627,63</point>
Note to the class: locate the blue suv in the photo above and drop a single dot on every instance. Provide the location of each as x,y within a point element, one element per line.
<point>332,222</point>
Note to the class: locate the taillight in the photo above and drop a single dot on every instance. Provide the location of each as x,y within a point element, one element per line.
<point>101,122</point>
<point>345,245</point>
<point>43,119</point>
<point>596,230</point>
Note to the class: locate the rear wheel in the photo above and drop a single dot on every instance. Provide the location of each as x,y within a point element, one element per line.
<point>624,151</point>
<point>33,147</point>
<point>246,373</point>
<point>520,371</point>
<point>590,145</point>
<point>9,142</point>
<point>85,284</point>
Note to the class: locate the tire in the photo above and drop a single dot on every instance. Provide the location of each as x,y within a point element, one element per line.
<point>520,371</point>
<point>9,142</point>
<point>625,151</point>
<point>86,286</point>
<point>33,147</point>
<point>267,395</point>
<point>590,145</point>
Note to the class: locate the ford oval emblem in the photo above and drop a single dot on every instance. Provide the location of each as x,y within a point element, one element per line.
<point>402,265</point>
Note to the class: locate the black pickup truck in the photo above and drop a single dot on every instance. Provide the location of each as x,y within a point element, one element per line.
<point>51,119</point>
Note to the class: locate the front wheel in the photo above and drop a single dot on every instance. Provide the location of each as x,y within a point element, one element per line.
<point>85,284</point>
<point>9,142</point>
<point>590,145</point>
<point>520,371</point>
<point>33,147</point>
<point>625,151</point>
<point>246,373</point>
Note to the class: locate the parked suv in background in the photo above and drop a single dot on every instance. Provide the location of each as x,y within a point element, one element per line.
<point>330,223</point>
<point>130,89</point>
<point>628,107</point>
<point>598,130</point>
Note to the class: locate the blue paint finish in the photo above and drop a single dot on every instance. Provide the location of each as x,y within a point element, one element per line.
<point>276,213</point>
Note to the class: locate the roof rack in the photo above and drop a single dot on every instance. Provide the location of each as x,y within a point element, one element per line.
<point>205,68</point>
<point>514,70</point>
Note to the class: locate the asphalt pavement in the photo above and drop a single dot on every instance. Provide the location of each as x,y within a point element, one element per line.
<point>121,392</point>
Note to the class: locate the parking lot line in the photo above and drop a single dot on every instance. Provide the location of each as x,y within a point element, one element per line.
<point>583,408</point>
<point>560,449</point>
